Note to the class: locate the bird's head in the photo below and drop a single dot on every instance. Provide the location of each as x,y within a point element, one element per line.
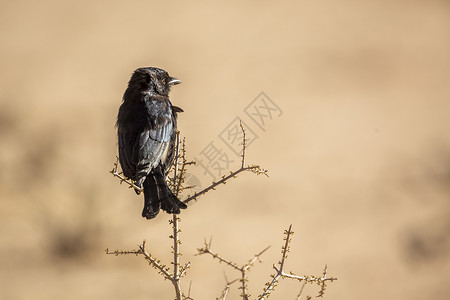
<point>153,80</point>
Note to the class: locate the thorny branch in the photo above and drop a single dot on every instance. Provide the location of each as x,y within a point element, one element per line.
<point>253,168</point>
<point>178,272</point>
<point>122,178</point>
<point>179,169</point>
<point>243,269</point>
<point>148,257</point>
<point>162,269</point>
<point>178,179</point>
<point>284,251</point>
<point>225,291</point>
<point>188,297</point>
<point>244,143</point>
<point>176,230</point>
<point>320,280</point>
<point>301,291</point>
<point>184,163</point>
<point>176,184</point>
<point>281,274</point>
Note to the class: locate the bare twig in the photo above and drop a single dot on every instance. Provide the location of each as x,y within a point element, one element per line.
<point>151,260</point>
<point>322,281</point>
<point>189,293</point>
<point>252,168</point>
<point>225,291</point>
<point>281,274</point>
<point>175,164</point>
<point>276,277</point>
<point>183,167</point>
<point>179,169</point>
<point>184,269</point>
<point>123,178</point>
<point>301,291</point>
<point>244,143</point>
<point>176,184</point>
<point>177,272</point>
<point>243,269</point>
<point>176,256</point>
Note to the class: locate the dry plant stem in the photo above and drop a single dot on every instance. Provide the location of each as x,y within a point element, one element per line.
<point>176,161</point>
<point>244,143</point>
<point>243,269</point>
<point>224,293</point>
<point>223,180</point>
<point>301,291</point>
<point>178,272</point>
<point>275,279</point>
<point>151,260</point>
<point>176,258</point>
<point>281,274</point>
<point>175,237</point>
<point>175,279</point>
<point>154,262</point>
<point>122,178</point>
<point>183,165</point>
<point>270,286</point>
<point>255,169</point>
<point>243,281</point>
<point>189,293</point>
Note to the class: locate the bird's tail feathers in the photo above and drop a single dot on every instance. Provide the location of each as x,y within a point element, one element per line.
<point>169,202</point>
<point>151,199</point>
<point>158,195</point>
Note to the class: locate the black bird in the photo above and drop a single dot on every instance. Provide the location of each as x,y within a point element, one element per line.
<point>146,129</point>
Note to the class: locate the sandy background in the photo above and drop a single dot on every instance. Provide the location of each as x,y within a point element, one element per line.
<point>359,159</point>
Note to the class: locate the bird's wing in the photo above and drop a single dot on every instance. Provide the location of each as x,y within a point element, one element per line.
<point>140,153</point>
<point>125,153</point>
<point>150,144</point>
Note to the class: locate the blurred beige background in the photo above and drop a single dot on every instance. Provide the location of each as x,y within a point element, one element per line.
<point>359,160</point>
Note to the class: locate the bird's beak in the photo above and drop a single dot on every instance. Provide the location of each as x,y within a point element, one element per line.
<point>174,81</point>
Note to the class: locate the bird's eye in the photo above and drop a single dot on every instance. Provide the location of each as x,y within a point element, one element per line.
<point>163,81</point>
